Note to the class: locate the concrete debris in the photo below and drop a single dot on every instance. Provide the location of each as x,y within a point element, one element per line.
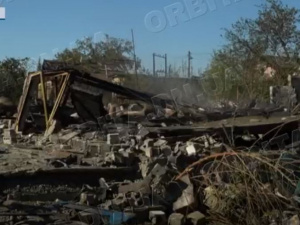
<point>65,138</point>
<point>190,149</point>
<point>141,161</point>
<point>196,218</point>
<point>176,219</point>
<point>9,136</point>
<point>187,198</point>
<point>157,217</point>
<point>113,139</point>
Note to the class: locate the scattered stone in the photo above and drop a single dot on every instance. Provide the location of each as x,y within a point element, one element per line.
<point>157,217</point>
<point>176,219</point>
<point>9,136</point>
<point>113,139</point>
<point>196,218</point>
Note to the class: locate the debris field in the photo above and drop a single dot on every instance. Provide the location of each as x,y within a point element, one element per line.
<point>70,158</point>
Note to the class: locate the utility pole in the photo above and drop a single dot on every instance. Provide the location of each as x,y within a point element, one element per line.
<point>135,63</point>
<point>189,63</point>
<point>154,73</point>
<point>166,63</point>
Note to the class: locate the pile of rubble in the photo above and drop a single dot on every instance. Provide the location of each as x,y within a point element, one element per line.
<point>147,165</point>
<point>138,178</point>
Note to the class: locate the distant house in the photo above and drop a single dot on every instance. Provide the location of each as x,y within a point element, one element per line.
<point>269,72</point>
<point>279,61</point>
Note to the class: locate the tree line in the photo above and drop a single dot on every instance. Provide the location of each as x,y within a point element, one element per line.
<point>271,40</point>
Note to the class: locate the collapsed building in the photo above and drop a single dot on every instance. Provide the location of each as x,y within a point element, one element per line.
<point>146,159</point>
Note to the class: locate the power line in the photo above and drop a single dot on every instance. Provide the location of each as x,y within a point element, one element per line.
<point>202,53</point>
<point>154,63</point>
<point>189,63</point>
<point>135,66</point>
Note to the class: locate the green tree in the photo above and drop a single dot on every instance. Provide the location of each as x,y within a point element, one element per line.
<point>270,40</point>
<point>12,74</point>
<point>115,53</point>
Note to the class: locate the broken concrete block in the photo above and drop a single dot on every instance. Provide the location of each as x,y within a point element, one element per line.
<point>177,147</point>
<point>64,147</point>
<point>148,143</point>
<point>97,149</point>
<point>109,157</point>
<point>128,157</point>
<point>88,216</point>
<point>93,150</point>
<point>190,149</point>
<point>143,132</point>
<point>133,142</point>
<point>69,136</point>
<point>35,219</point>
<point>158,171</point>
<point>144,167</point>
<point>119,200</point>
<point>157,217</point>
<point>113,139</point>
<point>147,147</point>
<point>160,143</point>
<point>139,186</point>
<point>104,148</point>
<point>120,158</point>
<point>9,136</point>
<point>79,144</point>
<point>83,198</point>
<point>148,152</point>
<point>163,124</point>
<point>90,135</point>
<point>10,203</point>
<point>103,188</point>
<point>187,198</point>
<point>217,148</point>
<point>196,218</point>
<point>176,219</point>
<point>166,150</point>
<point>53,138</point>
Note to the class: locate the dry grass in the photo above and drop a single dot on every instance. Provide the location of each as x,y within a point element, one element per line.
<point>244,188</point>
